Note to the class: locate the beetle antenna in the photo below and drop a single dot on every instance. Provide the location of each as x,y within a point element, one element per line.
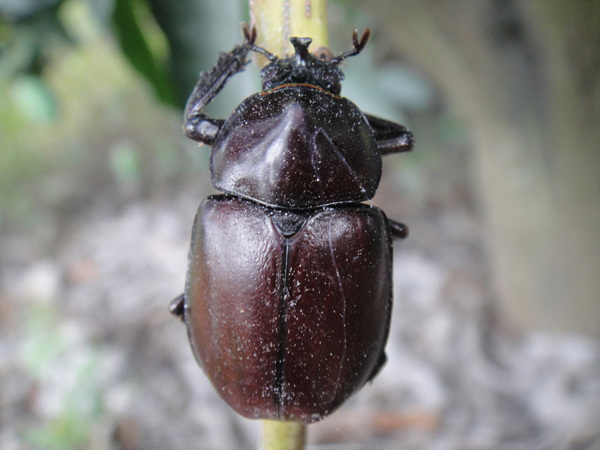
<point>358,46</point>
<point>263,51</point>
<point>249,34</point>
<point>250,39</point>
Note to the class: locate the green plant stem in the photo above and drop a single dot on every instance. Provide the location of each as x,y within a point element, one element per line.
<point>283,435</point>
<point>276,21</point>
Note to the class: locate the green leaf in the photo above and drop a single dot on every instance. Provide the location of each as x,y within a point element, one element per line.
<point>196,32</point>
<point>133,32</point>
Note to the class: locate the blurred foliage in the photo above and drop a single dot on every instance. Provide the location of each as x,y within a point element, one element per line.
<point>29,31</point>
<point>129,18</point>
<point>162,40</point>
<point>67,380</point>
<point>65,130</point>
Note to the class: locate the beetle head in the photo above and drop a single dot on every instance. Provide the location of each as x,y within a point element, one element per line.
<point>305,68</point>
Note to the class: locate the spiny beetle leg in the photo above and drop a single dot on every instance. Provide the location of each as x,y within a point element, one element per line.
<point>196,125</point>
<point>399,230</point>
<point>177,307</point>
<point>391,137</point>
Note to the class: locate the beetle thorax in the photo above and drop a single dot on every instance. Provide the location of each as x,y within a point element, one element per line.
<point>302,68</point>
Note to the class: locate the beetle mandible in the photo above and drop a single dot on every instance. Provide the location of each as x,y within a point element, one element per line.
<point>288,294</point>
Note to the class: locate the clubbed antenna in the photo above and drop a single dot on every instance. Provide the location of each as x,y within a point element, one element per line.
<point>249,34</point>
<point>358,46</point>
<point>250,38</point>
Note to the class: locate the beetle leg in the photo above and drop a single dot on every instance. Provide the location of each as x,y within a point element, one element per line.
<point>380,363</point>
<point>196,125</point>
<point>399,230</point>
<point>177,307</point>
<point>391,137</point>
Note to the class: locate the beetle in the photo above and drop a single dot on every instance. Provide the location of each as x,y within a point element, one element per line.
<point>288,294</point>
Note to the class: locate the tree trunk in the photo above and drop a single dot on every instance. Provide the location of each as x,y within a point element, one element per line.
<point>524,75</point>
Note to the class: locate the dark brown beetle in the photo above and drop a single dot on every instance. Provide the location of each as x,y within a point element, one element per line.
<point>289,288</point>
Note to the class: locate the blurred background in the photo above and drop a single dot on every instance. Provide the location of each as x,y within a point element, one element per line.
<point>496,323</point>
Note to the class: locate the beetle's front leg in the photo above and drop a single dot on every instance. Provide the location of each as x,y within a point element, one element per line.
<point>390,137</point>
<point>399,230</point>
<point>198,126</point>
